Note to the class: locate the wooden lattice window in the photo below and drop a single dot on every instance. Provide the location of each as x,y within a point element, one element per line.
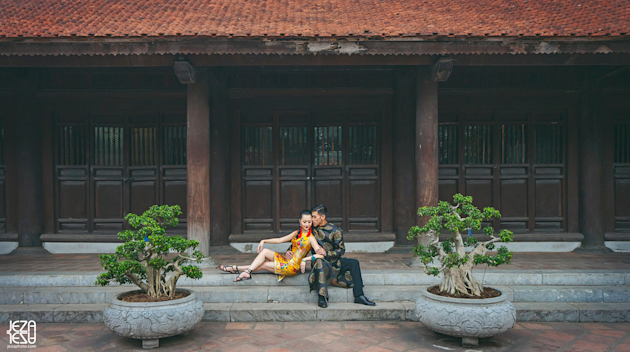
<point>548,144</point>
<point>478,144</point>
<point>447,138</point>
<point>294,146</point>
<point>175,138</point>
<point>257,146</point>
<point>328,149</point>
<point>622,143</point>
<point>362,145</point>
<point>108,146</point>
<point>71,146</point>
<point>513,144</point>
<point>143,146</point>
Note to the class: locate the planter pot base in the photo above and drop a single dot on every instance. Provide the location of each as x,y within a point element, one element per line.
<point>470,341</point>
<point>469,319</point>
<point>153,320</point>
<point>150,344</point>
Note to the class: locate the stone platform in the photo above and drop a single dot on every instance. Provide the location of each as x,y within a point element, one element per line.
<point>543,287</point>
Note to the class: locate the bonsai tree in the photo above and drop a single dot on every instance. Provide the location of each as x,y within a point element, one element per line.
<point>144,257</point>
<point>455,263</point>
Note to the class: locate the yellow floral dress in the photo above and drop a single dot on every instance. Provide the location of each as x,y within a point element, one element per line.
<point>300,248</point>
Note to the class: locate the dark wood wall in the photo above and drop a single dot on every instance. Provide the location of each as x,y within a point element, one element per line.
<point>508,137</point>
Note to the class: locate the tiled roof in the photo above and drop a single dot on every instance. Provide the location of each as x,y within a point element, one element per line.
<point>309,18</point>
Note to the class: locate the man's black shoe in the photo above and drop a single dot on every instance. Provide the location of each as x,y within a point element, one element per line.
<point>363,300</point>
<point>322,301</point>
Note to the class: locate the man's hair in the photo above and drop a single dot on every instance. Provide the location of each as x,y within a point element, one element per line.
<point>320,209</point>
<point>305,212</point>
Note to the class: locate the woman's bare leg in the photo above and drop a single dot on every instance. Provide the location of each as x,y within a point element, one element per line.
<point>266,266</point>
<point>257,264</point>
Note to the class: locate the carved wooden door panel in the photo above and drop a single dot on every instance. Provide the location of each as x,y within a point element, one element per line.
<point>108,171</point>
<point>293,186</point>
<point>329,137</point>
<point>363,173</point>
<point>257,178</point>
<point>142,170</point>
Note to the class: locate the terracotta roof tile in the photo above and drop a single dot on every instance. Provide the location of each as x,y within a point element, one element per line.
<point>290,18</point>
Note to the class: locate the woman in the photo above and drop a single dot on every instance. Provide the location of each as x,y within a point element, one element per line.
<point>302,241</point>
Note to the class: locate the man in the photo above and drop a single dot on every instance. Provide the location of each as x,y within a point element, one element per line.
<point>334,269</point>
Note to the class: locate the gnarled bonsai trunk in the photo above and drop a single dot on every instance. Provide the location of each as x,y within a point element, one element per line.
<point>155,282</point>
<point>460,280</point>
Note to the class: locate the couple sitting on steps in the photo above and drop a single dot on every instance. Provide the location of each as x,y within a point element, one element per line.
<point>328,267</point>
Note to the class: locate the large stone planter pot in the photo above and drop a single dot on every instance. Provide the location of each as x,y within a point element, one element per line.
<point>153,320</point>
<point>469,319</point>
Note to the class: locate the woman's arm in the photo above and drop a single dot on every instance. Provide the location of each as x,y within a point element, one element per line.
<point>286,238</point>
<point>308,259</point>
<point>314,244</point>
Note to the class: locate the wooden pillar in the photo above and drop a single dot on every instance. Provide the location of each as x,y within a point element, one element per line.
<point>404,161</point>
<point>591,148</point>
<point>25,129</point>
<point>198,161</point>
<point>426,148</point>
<point>220,183</point>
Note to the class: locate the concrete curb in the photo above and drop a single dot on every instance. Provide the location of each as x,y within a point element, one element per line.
<point>370,278</point>
<point>301,294</point>
<point>390,311</point>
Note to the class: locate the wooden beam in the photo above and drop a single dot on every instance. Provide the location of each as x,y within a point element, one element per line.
<point>26,131</point>
<point>591,147</point>
<point>220,183</point>
<point>426,148</point>
<point>198,163</point>
<point>404,141</point>
<point>146,60</point>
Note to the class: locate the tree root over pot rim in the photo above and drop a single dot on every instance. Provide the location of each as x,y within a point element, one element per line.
<point>143,297</point>
<point>486,293</point>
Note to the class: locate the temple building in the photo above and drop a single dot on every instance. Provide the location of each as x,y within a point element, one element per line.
<point>246,112</point>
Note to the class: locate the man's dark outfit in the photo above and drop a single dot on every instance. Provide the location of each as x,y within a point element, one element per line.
<point>334,270</point>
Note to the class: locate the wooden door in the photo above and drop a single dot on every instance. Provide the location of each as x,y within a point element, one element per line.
<point>258,178</point>
<point>363,173</point>
<point>108,174</point>
<point>293,168</point>
<point>299,159</point>
<point>329,137</point>
<point>109,166</point>
<point>142,169</point>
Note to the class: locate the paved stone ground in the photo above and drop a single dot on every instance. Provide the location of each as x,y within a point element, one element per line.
<point>369,261</point>
<point>337,337</point>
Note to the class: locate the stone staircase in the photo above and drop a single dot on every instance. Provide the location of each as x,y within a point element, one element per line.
<point>542,295</point>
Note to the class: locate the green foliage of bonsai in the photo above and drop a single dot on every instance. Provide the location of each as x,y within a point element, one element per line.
<point>144,257</point>
<point>455,263</point>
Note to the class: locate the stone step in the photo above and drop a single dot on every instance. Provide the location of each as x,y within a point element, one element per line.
<point>212,277</point>
<point>247,312</point>
<point>301,294</point>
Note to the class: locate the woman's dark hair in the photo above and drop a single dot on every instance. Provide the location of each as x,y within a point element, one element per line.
<point>305,212</point>
<point>320,209</point>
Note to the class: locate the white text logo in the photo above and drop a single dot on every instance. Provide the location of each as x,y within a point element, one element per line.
<point>22,334</point>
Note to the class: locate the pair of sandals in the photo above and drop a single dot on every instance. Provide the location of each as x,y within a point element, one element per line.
<point>233,269</point>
